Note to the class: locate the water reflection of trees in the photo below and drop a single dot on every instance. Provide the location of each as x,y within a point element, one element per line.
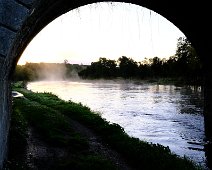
<point>192,100</point>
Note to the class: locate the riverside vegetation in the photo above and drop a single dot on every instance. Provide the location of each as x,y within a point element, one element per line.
<point>184,67</point>
<point>52,121</point>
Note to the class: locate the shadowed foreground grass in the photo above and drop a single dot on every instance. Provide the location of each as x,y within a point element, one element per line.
<point>49,115</point>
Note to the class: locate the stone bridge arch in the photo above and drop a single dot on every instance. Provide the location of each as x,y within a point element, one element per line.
<point>21,20</point>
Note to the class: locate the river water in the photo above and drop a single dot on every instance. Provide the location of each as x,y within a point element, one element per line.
<point>165,114</point>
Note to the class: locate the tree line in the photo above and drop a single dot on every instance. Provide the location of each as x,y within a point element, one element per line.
<point>185,65</point>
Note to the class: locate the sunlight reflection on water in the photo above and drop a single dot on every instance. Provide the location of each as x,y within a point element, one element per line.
<point>164,114</point>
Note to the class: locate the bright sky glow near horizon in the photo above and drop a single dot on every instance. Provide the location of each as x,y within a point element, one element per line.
<point>109,30</point>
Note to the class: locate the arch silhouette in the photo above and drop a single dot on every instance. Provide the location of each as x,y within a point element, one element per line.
<point>21,20</point>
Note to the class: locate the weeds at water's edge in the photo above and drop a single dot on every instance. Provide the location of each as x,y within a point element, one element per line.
<point>139,154</point>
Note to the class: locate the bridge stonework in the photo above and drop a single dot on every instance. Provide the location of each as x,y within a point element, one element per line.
<point>21,20</point>
<point>12,15</point>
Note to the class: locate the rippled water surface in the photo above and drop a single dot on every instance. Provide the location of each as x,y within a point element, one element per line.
<point>164,114</point>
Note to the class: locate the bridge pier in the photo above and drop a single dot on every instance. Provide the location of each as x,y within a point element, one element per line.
<point>208,112</point>
<point>5,107</point>
<point>208,108</point>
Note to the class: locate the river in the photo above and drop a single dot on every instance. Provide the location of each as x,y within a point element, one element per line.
<point>165,114</point>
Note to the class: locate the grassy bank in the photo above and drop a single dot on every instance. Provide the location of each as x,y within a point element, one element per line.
<point>51,116</point>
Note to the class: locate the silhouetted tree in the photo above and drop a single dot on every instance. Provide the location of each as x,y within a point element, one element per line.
<point>170,67</point>
<point>104,68</point>
<point>127,67</point>
<point>188,61</point>
<point>156,66</point>
<point>144,69</point>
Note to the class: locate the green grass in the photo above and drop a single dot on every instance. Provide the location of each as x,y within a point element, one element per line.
<point>56,112</point>
<point>55,129</point>
<point>17,141</point>
<point>85,162</point>
<point>52,125</point>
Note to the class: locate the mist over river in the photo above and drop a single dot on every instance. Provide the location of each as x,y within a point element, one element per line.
<point>165,114</point>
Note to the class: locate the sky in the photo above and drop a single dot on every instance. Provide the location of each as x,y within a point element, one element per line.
<point>109,30</point>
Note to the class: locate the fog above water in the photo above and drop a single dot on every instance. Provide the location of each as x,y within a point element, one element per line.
<point>53,73</point>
